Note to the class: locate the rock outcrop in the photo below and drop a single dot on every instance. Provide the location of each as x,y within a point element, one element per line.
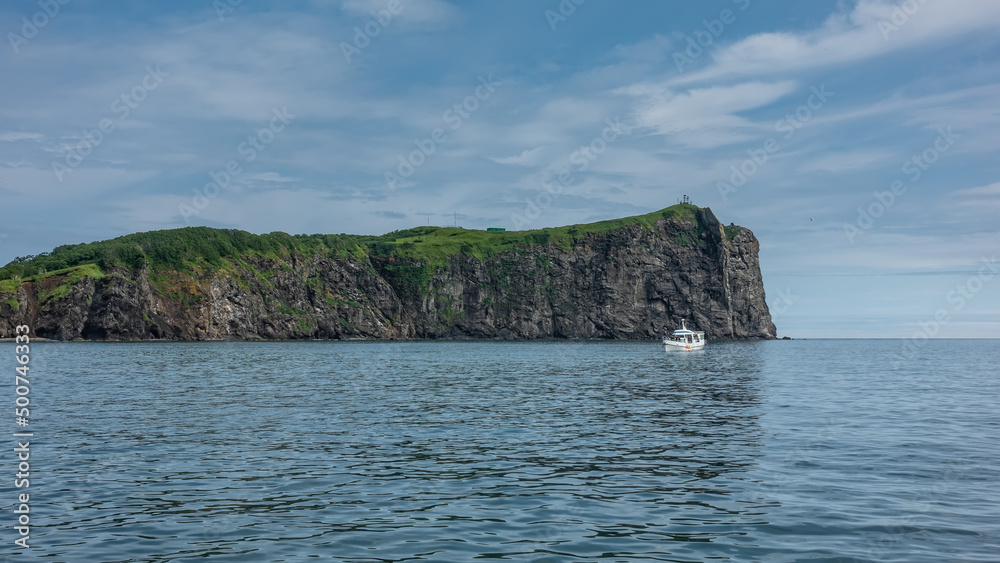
<point>633,282</point>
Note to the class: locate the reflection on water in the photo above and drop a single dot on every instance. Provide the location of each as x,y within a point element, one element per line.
<point>430,451</point>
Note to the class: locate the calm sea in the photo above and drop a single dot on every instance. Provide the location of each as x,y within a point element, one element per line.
<point>819,450</point>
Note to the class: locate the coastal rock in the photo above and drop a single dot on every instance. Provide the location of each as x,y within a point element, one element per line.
<point>632,282</point>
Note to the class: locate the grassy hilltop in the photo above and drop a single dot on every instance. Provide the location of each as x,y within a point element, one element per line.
<point>202,250</point>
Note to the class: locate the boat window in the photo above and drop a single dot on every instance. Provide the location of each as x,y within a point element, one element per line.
<point>689,338</point>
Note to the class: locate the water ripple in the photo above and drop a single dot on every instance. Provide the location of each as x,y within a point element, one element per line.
<point>438,451</point>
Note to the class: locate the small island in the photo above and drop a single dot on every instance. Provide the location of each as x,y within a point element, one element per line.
<point>629,278</point>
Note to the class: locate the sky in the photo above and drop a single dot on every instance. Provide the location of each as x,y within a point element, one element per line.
<point>858,140</point>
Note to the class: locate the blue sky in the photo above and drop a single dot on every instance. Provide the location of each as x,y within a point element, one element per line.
<point>367,116</point>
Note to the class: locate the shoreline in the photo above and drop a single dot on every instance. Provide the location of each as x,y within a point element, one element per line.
<point>41,339</point>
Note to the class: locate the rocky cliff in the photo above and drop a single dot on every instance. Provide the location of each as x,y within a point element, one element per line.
<point>628,279</point>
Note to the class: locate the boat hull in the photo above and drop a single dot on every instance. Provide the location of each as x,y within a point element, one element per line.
<point>683,346</point>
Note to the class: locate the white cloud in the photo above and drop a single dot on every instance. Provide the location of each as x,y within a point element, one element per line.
<point>650,50</point>
<point>267,177</point>
<point>527,158</point>
<point>849,161</point>
<point>15,136</point>
<point>422,13</point>
<point>987,190</point>
<point>83,183</point>
<point>704,117</point>
<point>981,201</point>
<point>865,31</point>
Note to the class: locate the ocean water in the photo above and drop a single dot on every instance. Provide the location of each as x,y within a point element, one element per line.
<point>815,450</point>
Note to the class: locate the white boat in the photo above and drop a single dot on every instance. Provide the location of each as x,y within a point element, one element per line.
<point>684,339</point>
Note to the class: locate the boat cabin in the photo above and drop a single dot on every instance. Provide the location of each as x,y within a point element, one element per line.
<point>686,337</point>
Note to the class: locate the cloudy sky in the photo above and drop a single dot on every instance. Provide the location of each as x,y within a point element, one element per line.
<point>858,140</point>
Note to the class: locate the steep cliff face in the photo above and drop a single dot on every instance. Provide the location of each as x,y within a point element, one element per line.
<point>632,282</point>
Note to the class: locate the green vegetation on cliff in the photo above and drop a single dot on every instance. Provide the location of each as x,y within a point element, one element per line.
<point>435,245</point>
<point>406,258</point>
<point>611,279</point>
<point>176,249</point>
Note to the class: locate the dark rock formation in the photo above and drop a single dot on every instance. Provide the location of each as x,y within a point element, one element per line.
<point>629,283</point>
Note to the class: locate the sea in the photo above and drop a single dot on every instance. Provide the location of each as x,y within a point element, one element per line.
<point>365,452</point>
